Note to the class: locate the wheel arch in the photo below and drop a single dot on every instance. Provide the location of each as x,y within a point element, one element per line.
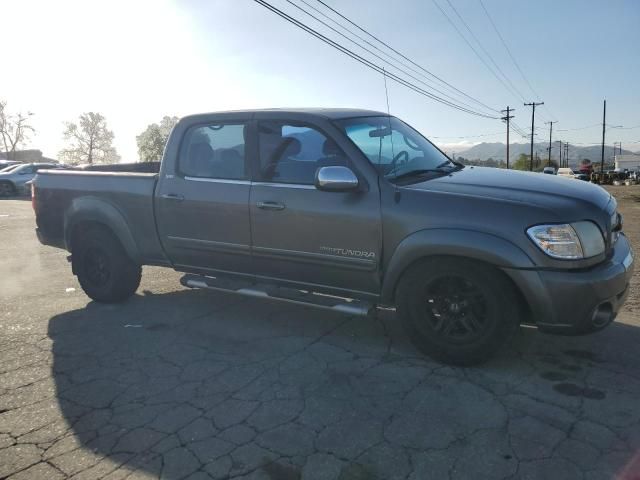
<point>485,248</point>
<point>85,212</point>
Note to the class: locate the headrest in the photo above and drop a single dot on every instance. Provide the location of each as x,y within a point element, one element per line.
<point>330,148</point>
<point>293,148</point>
<point>200,151</point>
<point>230,155</point>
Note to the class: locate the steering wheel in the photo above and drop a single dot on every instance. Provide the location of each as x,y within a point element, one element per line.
<point>402,153</point>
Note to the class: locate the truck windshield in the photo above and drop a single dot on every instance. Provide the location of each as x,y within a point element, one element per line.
<point>394,148</point>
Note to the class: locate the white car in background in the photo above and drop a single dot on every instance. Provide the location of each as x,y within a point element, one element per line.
<point>566,172</point>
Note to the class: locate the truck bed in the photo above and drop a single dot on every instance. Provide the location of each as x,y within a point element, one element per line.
<point>60,194</point>
<point>137,167</point>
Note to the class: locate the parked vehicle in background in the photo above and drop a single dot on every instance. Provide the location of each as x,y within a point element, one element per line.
<point>549,170</point>
<point>579,175</point>
<point>8,163</point>
<point>320,207</point>
<point>566,172</point>
<point>13,181</point>
<point>10,167</point>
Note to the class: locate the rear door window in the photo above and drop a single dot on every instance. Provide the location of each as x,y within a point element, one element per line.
<point>214,150</point>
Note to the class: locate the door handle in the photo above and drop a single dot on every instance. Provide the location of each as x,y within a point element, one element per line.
<point>172,196</point>
<point>270,205</point>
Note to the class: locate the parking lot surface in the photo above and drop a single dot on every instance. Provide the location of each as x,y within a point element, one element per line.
<point>179,383</point>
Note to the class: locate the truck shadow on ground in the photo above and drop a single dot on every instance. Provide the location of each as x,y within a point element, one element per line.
<point>213,385</point>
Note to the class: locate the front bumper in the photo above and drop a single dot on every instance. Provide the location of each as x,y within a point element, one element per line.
<point>578,302</point>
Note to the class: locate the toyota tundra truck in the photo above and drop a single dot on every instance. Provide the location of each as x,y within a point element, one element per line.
<point>348,210</point>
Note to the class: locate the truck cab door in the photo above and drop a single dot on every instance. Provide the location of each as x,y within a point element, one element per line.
<point>313,239</point>
<point>202,204</point>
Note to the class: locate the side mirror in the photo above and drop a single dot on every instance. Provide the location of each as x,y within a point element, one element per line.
<point>336,179</point>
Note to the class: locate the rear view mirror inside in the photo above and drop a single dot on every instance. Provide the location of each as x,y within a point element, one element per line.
<point>380,132</point>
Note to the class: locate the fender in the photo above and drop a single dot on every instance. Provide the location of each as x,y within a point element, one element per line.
<point>97,210</point>
<point>470,244</point>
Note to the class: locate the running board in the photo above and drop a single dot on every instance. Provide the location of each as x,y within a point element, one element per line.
<point>272,292</point>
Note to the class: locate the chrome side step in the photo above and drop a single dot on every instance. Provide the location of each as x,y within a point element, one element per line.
<point>271,292</point>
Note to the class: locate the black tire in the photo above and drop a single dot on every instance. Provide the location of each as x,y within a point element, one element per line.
<point>457,311</point>
<point>104,270</point>
<point>7,189</point>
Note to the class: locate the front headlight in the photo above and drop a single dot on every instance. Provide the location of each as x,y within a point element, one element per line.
<point>568,241</point>
<point>616,226</point>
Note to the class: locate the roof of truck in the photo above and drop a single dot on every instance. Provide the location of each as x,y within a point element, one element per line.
<point>332,113</point>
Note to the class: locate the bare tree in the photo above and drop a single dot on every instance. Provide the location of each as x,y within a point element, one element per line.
<point>90,141</point>
<point>151,142</point>
<point>14,129</point>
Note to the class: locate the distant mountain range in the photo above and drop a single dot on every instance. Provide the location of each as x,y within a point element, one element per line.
<point>497,151</point>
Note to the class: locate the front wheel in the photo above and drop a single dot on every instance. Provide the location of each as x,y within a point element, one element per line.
<point>457,311</point>
<point>104,270</point>
<point>7,189</point>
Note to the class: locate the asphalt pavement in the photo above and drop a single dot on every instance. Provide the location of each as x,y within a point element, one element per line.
<point>179,383</point>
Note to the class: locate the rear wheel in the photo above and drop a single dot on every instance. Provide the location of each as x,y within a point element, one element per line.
<point>7,189</point>
<point>457,311</point>
<point>104,270</point>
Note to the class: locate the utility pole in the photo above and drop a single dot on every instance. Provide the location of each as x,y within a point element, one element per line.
<point>506,118</point>
<point>566,153</point>
<point>560,154</point>
<point>604,119</point>
<point>617,147</point>
<point>550,134</point>
<point>533,118</point>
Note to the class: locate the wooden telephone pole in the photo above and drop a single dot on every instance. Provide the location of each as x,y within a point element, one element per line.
<point>533,118</point>
<point>506,118</point>
<point>604,119</point>
<point>550,136</point>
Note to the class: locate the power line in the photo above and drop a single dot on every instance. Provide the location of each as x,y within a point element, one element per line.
<point>365,61</point>
<point>495,28</point>
<point>404,56</point>
<point>513,59</point>
<point>466,25</point>
<point>374,54</point>
<point>455,27</point>
<point>391,57</point>
<point>469,136</point>
<point>579,128</point>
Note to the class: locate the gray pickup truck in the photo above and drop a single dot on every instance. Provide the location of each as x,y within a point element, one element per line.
<point>347,210</point>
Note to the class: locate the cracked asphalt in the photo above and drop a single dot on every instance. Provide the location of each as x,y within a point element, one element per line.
<point>180,383</point>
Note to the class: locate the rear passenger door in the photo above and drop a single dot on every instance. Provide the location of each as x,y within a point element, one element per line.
<point>302,235</point>
<point>202,205</point>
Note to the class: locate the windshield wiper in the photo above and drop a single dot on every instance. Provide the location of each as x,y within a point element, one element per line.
<point>452,165</point>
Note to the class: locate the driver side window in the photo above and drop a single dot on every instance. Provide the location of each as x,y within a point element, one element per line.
<point>292,153</point>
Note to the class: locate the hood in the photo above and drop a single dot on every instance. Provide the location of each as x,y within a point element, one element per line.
<point>513,185</point>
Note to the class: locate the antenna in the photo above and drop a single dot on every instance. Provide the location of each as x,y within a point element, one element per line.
<point>386,92</point>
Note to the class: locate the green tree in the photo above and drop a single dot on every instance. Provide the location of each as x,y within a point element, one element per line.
<point>522,163</point>
<point>151,142</point>
<point>90,141</point>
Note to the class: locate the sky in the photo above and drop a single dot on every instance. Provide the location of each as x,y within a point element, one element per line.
<point>136,61</point>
